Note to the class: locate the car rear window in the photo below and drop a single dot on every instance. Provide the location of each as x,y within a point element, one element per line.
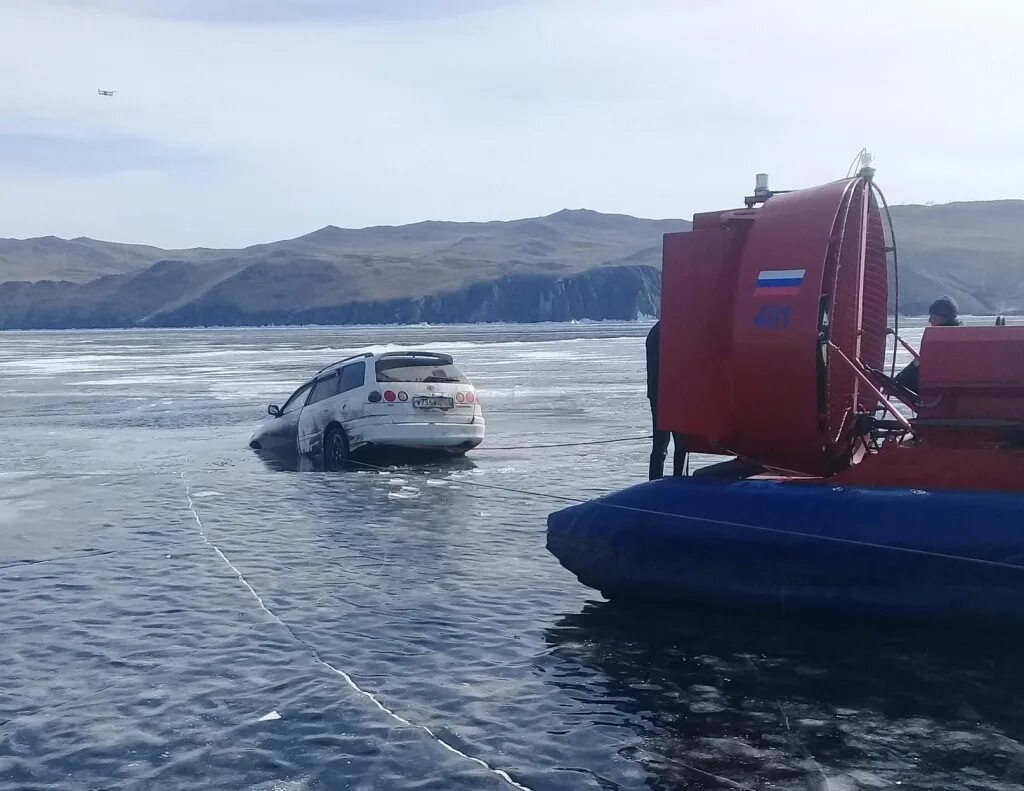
<point>417,369</point>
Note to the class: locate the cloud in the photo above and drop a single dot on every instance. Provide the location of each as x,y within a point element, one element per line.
<point>268,12</point>
<point>70,157</point>
<point>250,132</point>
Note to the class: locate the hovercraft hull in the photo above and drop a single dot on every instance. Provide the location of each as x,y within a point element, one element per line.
<point>895,553</point>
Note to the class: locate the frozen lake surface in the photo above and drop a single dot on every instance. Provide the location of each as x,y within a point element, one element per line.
<point>176,613</point>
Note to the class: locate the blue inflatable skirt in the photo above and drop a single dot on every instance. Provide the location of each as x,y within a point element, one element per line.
<point>920,555</point>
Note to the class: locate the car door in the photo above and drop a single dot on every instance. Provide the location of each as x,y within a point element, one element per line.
<point>331,402</point>
<point>281,433</point>
<point>317,412</point>
<point>350,392</point>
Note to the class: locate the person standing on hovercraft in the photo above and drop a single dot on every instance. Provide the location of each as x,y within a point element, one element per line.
<point>942,313</point>
<point>659,447</point>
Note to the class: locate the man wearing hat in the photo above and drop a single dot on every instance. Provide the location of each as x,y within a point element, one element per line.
<point>942,313</point>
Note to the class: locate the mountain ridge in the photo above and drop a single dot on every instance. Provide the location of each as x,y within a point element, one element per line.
<point>531,269</point>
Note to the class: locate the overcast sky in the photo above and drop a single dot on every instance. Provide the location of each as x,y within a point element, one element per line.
<point>242,121</point>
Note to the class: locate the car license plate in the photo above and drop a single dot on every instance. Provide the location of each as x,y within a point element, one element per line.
<point>433,402</point>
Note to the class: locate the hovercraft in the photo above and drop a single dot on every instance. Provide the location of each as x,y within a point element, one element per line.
<point>876,500</point>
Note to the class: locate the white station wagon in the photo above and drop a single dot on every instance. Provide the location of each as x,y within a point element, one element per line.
<point>396,400</point>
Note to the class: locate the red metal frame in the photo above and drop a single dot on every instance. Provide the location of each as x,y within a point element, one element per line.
<point>862,377</point>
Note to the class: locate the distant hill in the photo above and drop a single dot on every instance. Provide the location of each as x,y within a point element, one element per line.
<point>435,254</point>
<point>569,265</point>
<point>973,251</point>
<point>81,260</point>
<point>534,269</point>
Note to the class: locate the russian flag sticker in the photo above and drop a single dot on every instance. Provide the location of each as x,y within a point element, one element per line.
<point>779,282</point>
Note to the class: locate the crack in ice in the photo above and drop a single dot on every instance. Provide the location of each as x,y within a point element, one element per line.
<point>501,773</point>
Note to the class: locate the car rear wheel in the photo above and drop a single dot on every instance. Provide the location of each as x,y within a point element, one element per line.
<point>336,452</point>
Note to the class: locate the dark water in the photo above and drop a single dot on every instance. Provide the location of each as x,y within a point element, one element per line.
<point>408,622</point>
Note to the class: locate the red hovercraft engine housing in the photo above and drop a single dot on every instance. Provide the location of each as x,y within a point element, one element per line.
<point>773,344</point>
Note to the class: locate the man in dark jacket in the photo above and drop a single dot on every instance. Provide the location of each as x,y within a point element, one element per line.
<point>659,449</point>
<point>942,313</point>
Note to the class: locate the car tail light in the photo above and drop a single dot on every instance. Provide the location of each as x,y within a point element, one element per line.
<point>470,398</point>
<point>403,396</point>
<point>374,397</point>
<point>460,398</point>
<point>389,395</point>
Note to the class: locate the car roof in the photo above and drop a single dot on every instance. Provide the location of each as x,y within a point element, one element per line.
<point>338,364</point>
<point>444,359</point>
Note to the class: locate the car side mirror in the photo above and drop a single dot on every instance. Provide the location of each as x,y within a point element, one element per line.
<point>274,410</point>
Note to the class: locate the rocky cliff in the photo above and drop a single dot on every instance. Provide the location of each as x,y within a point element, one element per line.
<point>574,264</point>
<point>615,292</point>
